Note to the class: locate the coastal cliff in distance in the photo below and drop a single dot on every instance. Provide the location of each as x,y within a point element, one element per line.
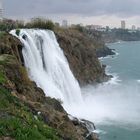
<point>115,35</point>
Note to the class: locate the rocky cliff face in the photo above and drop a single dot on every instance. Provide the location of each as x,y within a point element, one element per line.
<point>25,111</point>
<point>82,57</point>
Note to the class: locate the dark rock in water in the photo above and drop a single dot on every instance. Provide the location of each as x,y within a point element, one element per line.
<point>104,51</point>
<point>92,136</point>
<point>24,37</point>
<point>87,126</point>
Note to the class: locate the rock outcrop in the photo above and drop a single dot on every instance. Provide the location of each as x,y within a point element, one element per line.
<point>81,55</point>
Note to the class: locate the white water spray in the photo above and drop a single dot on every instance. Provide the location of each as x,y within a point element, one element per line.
<point>47,65</point>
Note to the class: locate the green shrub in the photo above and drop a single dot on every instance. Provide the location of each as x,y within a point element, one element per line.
<point>40,23</point>
<point>2,78</point>
<point>17,32</point>
<point>17,120</point>
<point>16,128</point>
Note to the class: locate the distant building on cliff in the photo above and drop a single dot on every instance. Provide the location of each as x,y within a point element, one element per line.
<point>138,28</point>
<point>65,23</point>
<point>133,27</point>
<point>123,24</point>
<point>1,10</point>
<point>95,27</point>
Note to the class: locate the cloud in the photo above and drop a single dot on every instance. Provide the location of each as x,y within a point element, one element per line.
<point>76,11</point>
<point>79,7</point>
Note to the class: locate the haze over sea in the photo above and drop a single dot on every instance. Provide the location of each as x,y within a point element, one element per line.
<point>122,103</point>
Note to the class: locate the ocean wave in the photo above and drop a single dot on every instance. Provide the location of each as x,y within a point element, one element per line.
<point>115,79</point>
<point>98,131</point>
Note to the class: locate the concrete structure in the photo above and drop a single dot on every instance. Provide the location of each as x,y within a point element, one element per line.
<point>94,27</point>
<point>138,28</point>
<point>65,23</point>
<point>1,10</point>
<point>133,27</point>
<point>123,24</point>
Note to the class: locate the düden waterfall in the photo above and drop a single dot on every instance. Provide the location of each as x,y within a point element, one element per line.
<point>107,105</point>
<point>48,67</point>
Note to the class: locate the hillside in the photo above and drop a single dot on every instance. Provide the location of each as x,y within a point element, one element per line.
<point>25,112</point>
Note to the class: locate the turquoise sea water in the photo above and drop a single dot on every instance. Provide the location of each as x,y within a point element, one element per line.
<point>127,63</point>
<point>124,120</point>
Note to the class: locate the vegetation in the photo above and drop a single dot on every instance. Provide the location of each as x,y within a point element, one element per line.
<point>8,24</point>
<point>17,32</point>
<point>79,28</point>
<point>2,34</point>
<point>40,23</point>
<point>2,77</point>
<point>17,120</point>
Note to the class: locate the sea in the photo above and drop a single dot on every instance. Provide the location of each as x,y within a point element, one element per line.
<point>122,99</point>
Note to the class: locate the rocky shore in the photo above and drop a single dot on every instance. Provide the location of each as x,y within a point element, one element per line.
<point>25,111</point>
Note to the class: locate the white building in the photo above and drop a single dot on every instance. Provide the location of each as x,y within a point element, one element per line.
<point>138,28</point>
<point>133,27</point>
<point>65,23</point>
<point>123,24</point>
<point>94,27</point>
<point>1,10</point>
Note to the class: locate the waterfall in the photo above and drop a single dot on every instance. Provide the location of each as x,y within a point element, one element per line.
<point>114,107</point>
<point>47,65</point>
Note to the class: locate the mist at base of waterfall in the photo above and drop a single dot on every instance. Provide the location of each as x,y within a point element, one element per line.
<point>114,106</point>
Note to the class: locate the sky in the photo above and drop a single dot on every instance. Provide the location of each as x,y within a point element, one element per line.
<point>97,12</point>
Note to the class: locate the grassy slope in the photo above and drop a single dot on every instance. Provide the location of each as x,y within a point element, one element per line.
<point>17,121</point>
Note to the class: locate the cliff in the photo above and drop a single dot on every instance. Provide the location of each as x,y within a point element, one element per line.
<point>120,35</point>
<point>81,53</point>
<point>25,111</point>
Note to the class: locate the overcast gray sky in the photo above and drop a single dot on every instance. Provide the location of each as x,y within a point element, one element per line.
<point>103,12</point>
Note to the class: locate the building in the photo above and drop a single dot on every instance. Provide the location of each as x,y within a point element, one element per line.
<point>133,27</point>
<point>1,10</point>
<point>123,24</point>
<point>94,27</point>
<point>138,28</point>
<point>65,23</point>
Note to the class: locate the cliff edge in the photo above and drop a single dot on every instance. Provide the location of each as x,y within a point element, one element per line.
<point>82,57</point>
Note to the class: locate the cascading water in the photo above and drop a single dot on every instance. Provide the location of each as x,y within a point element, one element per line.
<point>47,65</point>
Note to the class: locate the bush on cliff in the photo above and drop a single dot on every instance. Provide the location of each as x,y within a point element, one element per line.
<point>40,23</point>
<point>17,120</point>
<point>17,32</point>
